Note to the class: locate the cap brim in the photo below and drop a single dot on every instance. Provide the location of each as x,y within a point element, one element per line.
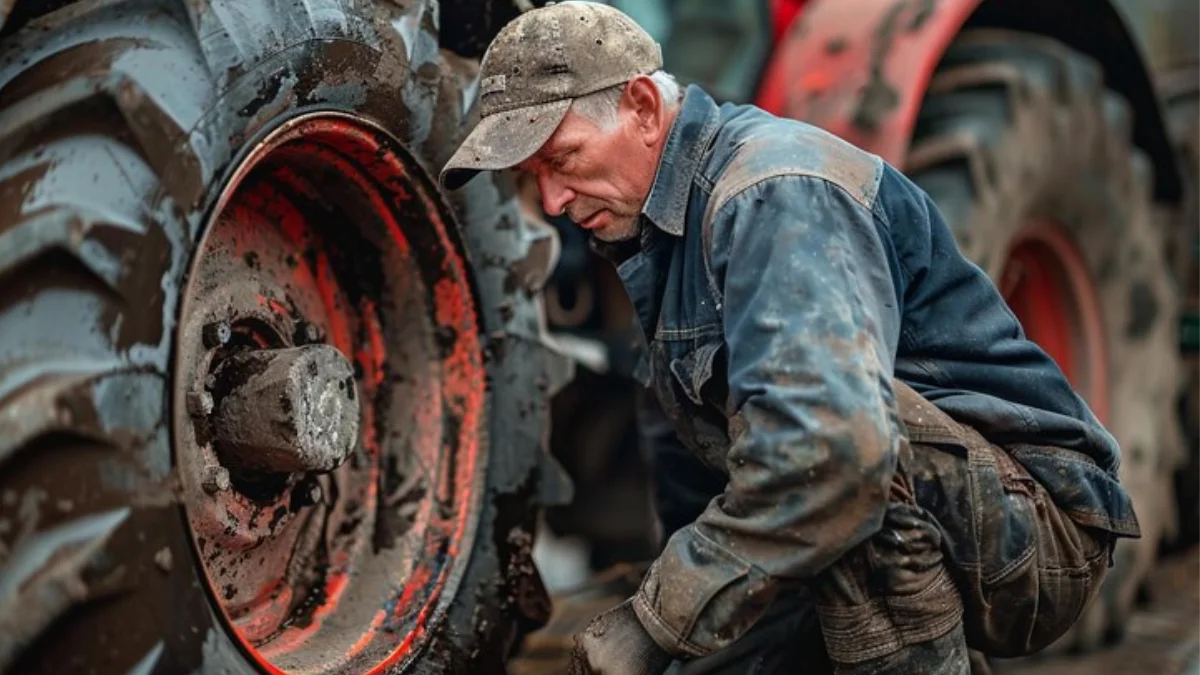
<point>503,140</point>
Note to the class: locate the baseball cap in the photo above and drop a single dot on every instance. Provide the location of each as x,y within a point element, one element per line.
<point>537,65</point>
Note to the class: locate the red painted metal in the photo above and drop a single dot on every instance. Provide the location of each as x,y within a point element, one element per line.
<point>1047,285</point>
<point>260,219</point>
<point>1036,295</point>
<point>783,13</point>
<point>860,68</point>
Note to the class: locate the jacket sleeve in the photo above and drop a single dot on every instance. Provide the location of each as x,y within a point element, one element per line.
<point>810,314</point>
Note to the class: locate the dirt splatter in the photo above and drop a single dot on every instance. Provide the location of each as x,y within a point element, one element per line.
<point>164,560</point>
<point>879,96</point>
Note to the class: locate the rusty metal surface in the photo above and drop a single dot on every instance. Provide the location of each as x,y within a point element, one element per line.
<point>1163,638</point>
<point>348,572</point>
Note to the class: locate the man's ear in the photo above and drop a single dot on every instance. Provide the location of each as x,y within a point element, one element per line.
<point>645,103</point>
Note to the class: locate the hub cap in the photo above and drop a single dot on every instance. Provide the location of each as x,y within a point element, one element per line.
<point>328,402</point>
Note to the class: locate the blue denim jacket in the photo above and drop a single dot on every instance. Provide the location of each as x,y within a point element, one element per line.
<point>782,279</point>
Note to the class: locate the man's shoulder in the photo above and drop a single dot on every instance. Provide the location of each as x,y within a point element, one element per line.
<point>753,146</point>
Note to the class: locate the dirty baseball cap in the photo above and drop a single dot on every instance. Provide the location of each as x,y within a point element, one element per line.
<point>536,66</point>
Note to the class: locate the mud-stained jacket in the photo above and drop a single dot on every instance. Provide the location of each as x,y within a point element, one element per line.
<point>782,278</point>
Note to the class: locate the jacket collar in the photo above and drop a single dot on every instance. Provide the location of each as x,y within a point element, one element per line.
<point>691,134</point>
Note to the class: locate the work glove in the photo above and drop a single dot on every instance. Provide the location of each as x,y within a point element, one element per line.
<point>615,643</point>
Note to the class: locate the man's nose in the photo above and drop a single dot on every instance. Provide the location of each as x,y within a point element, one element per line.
<point>555,196</point>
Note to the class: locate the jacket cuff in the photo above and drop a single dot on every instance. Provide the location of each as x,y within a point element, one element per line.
<point>699,597</point>
<point>661,632</point>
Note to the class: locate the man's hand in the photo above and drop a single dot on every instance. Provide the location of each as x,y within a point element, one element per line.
<point>615,643</point>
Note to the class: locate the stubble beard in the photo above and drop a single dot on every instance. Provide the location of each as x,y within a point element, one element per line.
<point>623,228</point>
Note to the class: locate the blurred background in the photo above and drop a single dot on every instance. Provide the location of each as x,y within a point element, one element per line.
<point>1060,141</point>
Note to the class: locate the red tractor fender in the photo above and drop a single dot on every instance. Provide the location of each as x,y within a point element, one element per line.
<point>860,68</point>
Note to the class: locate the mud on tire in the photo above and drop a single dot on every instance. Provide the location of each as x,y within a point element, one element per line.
<point>1183,119</point>
<point>120,122</point>
<point>1018,131</point>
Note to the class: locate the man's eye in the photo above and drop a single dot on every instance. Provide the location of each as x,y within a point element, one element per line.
<point>560,162</point>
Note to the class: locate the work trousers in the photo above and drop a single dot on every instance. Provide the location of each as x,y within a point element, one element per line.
<point>973,553</point>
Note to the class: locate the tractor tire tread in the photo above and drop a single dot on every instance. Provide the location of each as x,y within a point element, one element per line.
<point>112,133</point>
<point>1018,124</point>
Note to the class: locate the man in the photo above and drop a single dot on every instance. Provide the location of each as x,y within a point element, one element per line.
<point>894,452</point>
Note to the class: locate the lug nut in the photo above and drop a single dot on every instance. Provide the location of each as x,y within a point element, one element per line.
<point>287,410</point>
<point>216,334</point>
<point>307,493</point>
<point>215,479</point>
<point>199,404</point>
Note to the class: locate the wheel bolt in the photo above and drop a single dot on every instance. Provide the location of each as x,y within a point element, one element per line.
<point>215,479</point>
<point>287,410</point>
<point>307,493</point>
<point>199,404</point>
<point>216,334</point>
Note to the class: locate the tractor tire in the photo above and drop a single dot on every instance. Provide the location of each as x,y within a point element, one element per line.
<point>1183,120</point>
<point>133,135</point>
<point>1029,157</point>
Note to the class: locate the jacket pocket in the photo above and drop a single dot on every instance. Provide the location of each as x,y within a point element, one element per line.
<point>694,369</point>
<point>698,596</point>
<point>693,397</point>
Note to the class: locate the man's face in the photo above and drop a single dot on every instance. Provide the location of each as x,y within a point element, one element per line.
<point>600,178</point>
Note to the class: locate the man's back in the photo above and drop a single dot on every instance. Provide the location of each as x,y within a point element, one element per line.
<point>951,336</point>
<point>770,243</point>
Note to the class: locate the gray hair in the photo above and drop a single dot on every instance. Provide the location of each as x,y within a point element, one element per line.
<point>601,107</point>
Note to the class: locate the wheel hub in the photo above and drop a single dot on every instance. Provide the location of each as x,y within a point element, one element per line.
<point>286,410</point>
<point>329,394</point>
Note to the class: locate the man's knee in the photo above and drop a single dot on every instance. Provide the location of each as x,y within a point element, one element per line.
<point>1039,598</point>
<point>1025,570</point>
<point>890,593</point>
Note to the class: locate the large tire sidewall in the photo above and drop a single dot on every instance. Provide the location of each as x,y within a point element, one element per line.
<point>1066,158</point>
<point>1183,113</point>
<point>414,93</point>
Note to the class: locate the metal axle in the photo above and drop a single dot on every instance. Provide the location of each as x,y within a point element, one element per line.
<point>291,410</point>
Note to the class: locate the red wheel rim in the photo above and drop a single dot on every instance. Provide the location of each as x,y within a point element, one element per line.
<point>1047,285</point>
<point>329,233</point>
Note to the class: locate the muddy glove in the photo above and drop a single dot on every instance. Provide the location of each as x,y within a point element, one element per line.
<point>615,643</point>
